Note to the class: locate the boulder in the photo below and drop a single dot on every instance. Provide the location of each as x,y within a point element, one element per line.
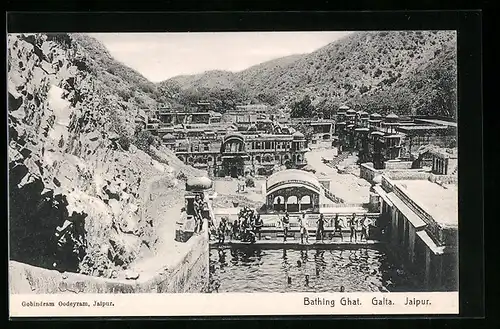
<point>113,136</point>
<point>198,183</point>
<point>16,80</point>
<point>131,275</point>
<point>93,136</point>
<point>47,67</point>
<point>15,99</point>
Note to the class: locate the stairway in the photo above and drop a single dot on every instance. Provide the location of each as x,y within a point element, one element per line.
<point>341,157</point>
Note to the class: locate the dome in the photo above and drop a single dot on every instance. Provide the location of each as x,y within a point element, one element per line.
<point>344,108</point>
<point>168,136</point>
<point>298,135</point>
<point>292,177</point>
<point>198,183</point>
<point>375,116</point>
<point>392,116</point>
<point>351,111</point>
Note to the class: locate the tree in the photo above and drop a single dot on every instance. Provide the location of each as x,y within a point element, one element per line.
<point>302,108</point>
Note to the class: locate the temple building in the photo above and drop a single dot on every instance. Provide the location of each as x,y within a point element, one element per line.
<point>239,154</point>
<point>380,139</point>
<point>246,114</point>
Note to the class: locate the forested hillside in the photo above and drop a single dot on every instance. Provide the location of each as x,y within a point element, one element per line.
<point>395,71</point>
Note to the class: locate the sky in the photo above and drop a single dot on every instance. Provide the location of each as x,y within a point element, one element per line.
<point>160,56</point>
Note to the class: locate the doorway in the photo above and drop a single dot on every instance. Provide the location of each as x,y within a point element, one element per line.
<point>234,172</point>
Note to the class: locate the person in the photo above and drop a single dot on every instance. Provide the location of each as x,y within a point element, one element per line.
<point>365,229</point>
<point>337,226</point>
<point>352,226</point>
<point>303,229</point>
<point>222,230</point>
<point>198,221</point>
<point>320,231</point>
<point>286,225</point>
<point>235,229</point>
<point>258,225</point>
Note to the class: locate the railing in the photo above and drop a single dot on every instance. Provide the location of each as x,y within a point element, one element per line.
<point>344,205</point>
<point>331,196</point>
<point>387,184</point>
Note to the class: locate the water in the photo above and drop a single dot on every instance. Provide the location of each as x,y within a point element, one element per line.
<point>253,269</point>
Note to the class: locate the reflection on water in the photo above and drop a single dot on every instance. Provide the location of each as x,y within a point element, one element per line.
<point>252,269</point>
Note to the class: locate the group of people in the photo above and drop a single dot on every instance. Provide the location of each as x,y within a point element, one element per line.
<point>359,224</point>
<point>304,227</point>
<point>246,228</point>
<point>355,225</point>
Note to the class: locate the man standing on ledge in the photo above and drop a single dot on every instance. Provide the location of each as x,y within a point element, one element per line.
<point>352,226</point>
<point>303,228</point>
<point>286,224</point>
<point>258,224</point>
<point>320,231</point>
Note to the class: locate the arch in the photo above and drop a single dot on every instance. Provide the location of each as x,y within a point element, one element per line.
<point>279,199</point>
<point>233,143</point>
<point>292,199</point>
<point>257,158</point>
<point>306,199</point>
<point>292,178</point>
<point>286,157</point>
<point>268,158</point>
<point>209,159</point>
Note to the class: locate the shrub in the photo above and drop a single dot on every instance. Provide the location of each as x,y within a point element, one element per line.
<point>249,182</point>
<point>143,140</point>
<point>181,176</point>
<point>377,73</point>
<point>124,142</point>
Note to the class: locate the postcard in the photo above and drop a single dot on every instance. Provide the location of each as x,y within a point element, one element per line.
<point>233,173</point>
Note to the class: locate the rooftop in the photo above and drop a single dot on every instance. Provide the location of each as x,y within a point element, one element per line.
<point>439,202</point>
<point>439,122</point>
<point>418,127</point>
<point>293,175</point>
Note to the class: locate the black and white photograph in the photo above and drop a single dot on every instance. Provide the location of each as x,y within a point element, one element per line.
<point>233,162</point>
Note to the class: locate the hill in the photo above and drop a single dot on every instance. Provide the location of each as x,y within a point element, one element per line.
<point>395,71</point>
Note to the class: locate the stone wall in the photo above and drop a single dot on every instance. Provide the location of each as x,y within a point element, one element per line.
<point>397,164</point>
<point>189,274</point>
<point>366,171</point>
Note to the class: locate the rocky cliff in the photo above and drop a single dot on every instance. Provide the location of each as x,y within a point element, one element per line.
<point>80,191</point>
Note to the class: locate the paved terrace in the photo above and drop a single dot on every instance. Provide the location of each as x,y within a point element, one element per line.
<point>438,201</point>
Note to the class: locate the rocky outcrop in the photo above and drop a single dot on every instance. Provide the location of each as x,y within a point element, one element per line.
<point>76,184</point>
